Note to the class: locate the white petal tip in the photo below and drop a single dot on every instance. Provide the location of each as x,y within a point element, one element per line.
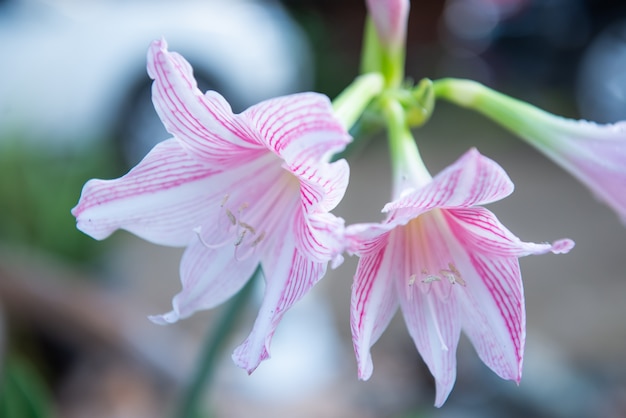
<point>244,360</point>
<point>337,261</point>
<point>165,319</point>
<point>562,246</point>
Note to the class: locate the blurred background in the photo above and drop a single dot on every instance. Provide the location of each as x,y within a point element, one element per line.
<point>75,104</point>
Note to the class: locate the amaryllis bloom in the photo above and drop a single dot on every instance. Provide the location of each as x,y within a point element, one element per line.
<point>449,265</point>
<point>236,190</point>
<point>593,153</point>
<point>390,18</point>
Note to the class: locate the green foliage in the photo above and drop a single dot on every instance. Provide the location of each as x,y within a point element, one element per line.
<point>38,188</point>
<point>23,393</point>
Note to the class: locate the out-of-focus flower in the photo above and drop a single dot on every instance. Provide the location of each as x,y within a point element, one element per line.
<point>390,18</point>
<point>237,190</point>
<point>450,265</point>
<point>595,154</point>
<point>385,39</point>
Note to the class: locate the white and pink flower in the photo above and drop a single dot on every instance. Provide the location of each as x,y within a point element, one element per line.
<point>390,18</point>
<point>235,189</point>
<point>449,265</point>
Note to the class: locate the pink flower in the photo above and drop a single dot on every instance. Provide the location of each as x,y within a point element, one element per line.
<point>236,190</point>
<point>390,18</point>
<point>595,154</point>
<point>449,265</point>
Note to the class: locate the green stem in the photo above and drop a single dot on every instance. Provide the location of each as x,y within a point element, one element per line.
<point>517,116</point>
<point>407,164</point>
<point>213,345</point>
<point>354,99</point>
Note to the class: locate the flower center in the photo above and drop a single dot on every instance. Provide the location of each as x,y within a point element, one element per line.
<point>255,210</point>
<point>429,264</point>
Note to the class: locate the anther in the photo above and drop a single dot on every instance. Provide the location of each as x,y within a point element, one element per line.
<point>258,239</point>
<point>248,227</point>
<point>231,217</point>
<point>431,278</point>
<point>412,280</point>
<point>224,200</point>
<point>240,238</point>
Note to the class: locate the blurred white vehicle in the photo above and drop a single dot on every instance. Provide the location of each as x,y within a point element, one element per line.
<point>73,72</point>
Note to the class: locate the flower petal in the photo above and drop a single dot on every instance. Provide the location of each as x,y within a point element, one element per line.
<point>479,230</point>
<point>288,277</point>
<point>435,328</point>
<point>472,180</point>
<point>299,127</point>
<point>209,277</point>
<point>595,154</point>
<point>149,200</point>
<point>205,124</point>
<point>373,303</point>
<point>493,315</point>
<point>322,185</point>
<point>319,236</point>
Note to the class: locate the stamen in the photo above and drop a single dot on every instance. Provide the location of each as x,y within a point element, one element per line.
<point>248,227</point>
<point>224,200</point>
<point>231,217</point>
<point>452,274</point>
<point>198,231</point>
<point>412,279</point>
<point>431,278</point>
<point>258,239</point>
<point>240,238</point>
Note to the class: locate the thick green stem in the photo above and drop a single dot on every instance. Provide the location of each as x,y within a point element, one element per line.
<point>407,165</point>
<point>213,345</point>
<point>521,118</point>
<point>354,99</point>
<point>389,60</point>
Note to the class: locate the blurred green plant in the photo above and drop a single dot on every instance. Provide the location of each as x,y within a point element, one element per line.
<point>38,187</point>
<point>23,392</point>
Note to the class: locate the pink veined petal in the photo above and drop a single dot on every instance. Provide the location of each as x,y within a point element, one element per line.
<point>322,186</point>
<point>493,315</point>
<point>373,303</point>
<point>472,180</point>
<point>209,277</point>
<point>299,127</point>
<point>430,310</point>
<point>435,328</point>
<point>479,230</point>
<point>595,154</point>
<point>205,124</point>
<point>149,200</point>
<point>363,238</point>
<point>319,236</point>
<point>288,277</point>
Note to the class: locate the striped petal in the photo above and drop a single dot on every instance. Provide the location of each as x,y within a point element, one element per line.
<point>435,328</point>
<point>319,236</point>
<point>322,185</point>
<point>149,200</point>
<point>472,180</point>
<point>299,127</point>
<point>209,277</point>
<point>373,303</point>
<point>479,230</point>
<point>288,277</point>
<point>493,314</point>
<point>203,123</point>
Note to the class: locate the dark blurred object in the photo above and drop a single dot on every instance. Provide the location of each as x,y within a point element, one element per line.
<point>74,72</point>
